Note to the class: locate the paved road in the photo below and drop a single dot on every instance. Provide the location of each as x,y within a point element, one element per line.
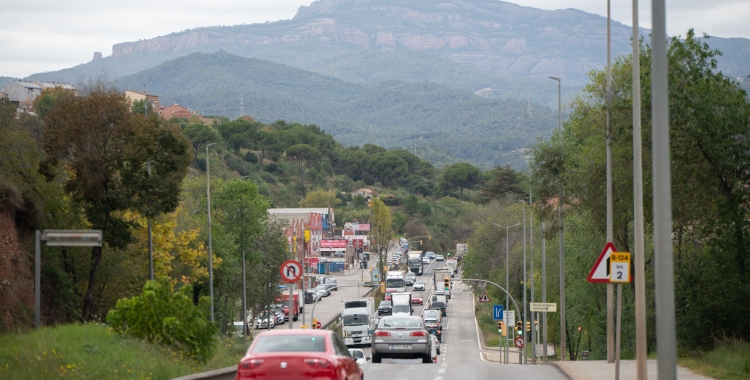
<point>460,350</point>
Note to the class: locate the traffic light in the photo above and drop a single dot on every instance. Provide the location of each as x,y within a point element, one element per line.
<point>528,326</point>
<point>420,241</point>
<point>447,283</point>
<point>501,327</point>
<point>519,328</point>
<point>314,323</point>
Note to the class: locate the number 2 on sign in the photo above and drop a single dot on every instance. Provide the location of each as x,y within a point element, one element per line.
<point>620,267</point>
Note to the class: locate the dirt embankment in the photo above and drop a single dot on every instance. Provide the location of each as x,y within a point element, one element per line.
<point>16,277</point>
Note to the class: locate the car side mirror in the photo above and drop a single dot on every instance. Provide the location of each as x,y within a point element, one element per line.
<point>368,358</point>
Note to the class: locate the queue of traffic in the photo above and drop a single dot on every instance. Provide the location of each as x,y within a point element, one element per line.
<point>391,330</point>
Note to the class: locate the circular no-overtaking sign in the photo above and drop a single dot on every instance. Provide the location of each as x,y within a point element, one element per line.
<point>291,271</point>
<point>318,325</point>
<point>519,342</point>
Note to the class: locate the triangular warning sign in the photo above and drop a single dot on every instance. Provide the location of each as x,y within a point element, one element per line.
<point>600,271</point>
<point>484,298</point>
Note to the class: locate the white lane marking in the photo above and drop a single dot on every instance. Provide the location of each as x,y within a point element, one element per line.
<point>467,340</point>
<point>476,325</point>
<point>441,371</point>
<point>445,365</point>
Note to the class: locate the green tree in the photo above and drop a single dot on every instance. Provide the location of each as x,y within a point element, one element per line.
<point>501,181</point>
<point>106,150</point>
<point>319,198</point>
<point>269,145</point>
<point>305,156</point>
<point>200,135</point>
<point>709,180</point>
<point>462,176</point>
<point>387,167</point>
<point>381,228</point>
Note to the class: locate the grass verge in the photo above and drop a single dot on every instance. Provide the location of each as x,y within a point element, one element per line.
<point>730,360</point>
<point>94,352</point>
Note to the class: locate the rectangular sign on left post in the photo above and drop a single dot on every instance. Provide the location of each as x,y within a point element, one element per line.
<point>72,238</point>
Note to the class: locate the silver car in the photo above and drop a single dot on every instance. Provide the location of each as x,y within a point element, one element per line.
<point>402,337</point>
<point>324,291</point>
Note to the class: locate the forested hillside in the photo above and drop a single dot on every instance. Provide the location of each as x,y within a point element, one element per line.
<point>391,114</point>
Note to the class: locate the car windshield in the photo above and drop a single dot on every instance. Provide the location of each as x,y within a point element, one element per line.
<point>438,304</point>
<point>321,287</point>
<point>357,354</point>
<point>394,283</point>
<point>400,322</point>
<point>385,304</point>
<point>418,284</point>
<point>289,343</point>
<point>356,320</point>
<point>401,308</point>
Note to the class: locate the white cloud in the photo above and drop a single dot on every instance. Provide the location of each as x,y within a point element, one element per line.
<point>46,35</point>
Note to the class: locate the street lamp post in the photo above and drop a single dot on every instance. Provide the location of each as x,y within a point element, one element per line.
<point>244,277</point>
<point>562,258</point>
<point>507,238</point>
<point>210,252</point>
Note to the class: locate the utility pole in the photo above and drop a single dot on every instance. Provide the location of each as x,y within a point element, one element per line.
<point>210,250</point>
<point>562,283</point>
<point>662,198</point>
<point>525,283</point>
<point>544,296</point>
<point>531,247</point>
<point>640,281</point>
<point>610,234</point>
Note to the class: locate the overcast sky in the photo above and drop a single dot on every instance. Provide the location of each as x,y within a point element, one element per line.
<point>48,35</point>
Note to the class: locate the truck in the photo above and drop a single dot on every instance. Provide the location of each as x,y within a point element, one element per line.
<point>414,262</point>
<point>452,265</point>
<point>394,282</point>
<point>401,303</point>
<point>296,308</point>
<point>359,320</point>
<point>439,275</point>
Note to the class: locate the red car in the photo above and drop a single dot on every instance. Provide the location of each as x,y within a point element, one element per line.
<point>416,300</point>
<point>298,354</point>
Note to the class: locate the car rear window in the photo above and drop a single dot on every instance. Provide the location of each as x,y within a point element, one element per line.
<point>400,322</point>
<point>289,343</point>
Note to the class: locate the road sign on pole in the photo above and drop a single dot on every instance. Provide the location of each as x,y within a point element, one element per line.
<point>497,313</point>
<point>484,298</point>
<point>318,325</point>
<point>600,271</point>
<point>511,316</point>
<point>620,267</point>
<point>291,271</point>
<point>543,307</point>
<point>519,341</point>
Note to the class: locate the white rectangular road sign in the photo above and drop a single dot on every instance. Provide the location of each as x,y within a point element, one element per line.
<point>510,317</point>
<point>543,307</point>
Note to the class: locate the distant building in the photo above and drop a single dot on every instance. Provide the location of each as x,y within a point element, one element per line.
<point>22,91</point>
<point>365,193</point>
<point>134,96</point>
<point>176,110</point>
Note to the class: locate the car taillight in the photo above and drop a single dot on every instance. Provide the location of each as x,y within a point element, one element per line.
<point>418,333</point>
<point>251,363</point>
<point>317,363</point>
<point>382,333</point>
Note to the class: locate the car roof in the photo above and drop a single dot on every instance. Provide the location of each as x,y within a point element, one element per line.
<point>296,332</point>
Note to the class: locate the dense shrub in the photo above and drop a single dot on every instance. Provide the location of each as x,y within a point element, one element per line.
<point>161,315</point>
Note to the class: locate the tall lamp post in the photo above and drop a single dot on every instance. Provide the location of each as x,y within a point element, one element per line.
<point>507,238</point>
<point>245,329</point>
<point>210,251</point>
<point>562,249</point>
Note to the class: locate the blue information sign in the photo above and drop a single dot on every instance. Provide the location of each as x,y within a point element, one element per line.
<point>497,313</point>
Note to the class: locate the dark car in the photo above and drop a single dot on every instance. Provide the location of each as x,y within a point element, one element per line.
<point>385,307</point>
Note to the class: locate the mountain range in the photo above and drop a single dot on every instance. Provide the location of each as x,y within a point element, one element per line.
<point>365,49</point>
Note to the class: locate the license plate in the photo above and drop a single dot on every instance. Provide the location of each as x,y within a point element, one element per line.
<point>400,347</point>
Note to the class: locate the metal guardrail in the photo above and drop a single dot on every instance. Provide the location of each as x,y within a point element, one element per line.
<point>227,373</point>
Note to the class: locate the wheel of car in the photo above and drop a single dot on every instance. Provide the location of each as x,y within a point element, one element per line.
<point>376,358</point>
<point>427,358</point>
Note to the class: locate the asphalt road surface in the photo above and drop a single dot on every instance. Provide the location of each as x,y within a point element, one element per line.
<point>460,349</point>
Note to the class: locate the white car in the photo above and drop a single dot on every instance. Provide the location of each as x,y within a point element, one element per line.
<point>358,355</point>
<point>419,285</point>
<point>264,322</point>
<point>439,258</point>
<point>425,260</point>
